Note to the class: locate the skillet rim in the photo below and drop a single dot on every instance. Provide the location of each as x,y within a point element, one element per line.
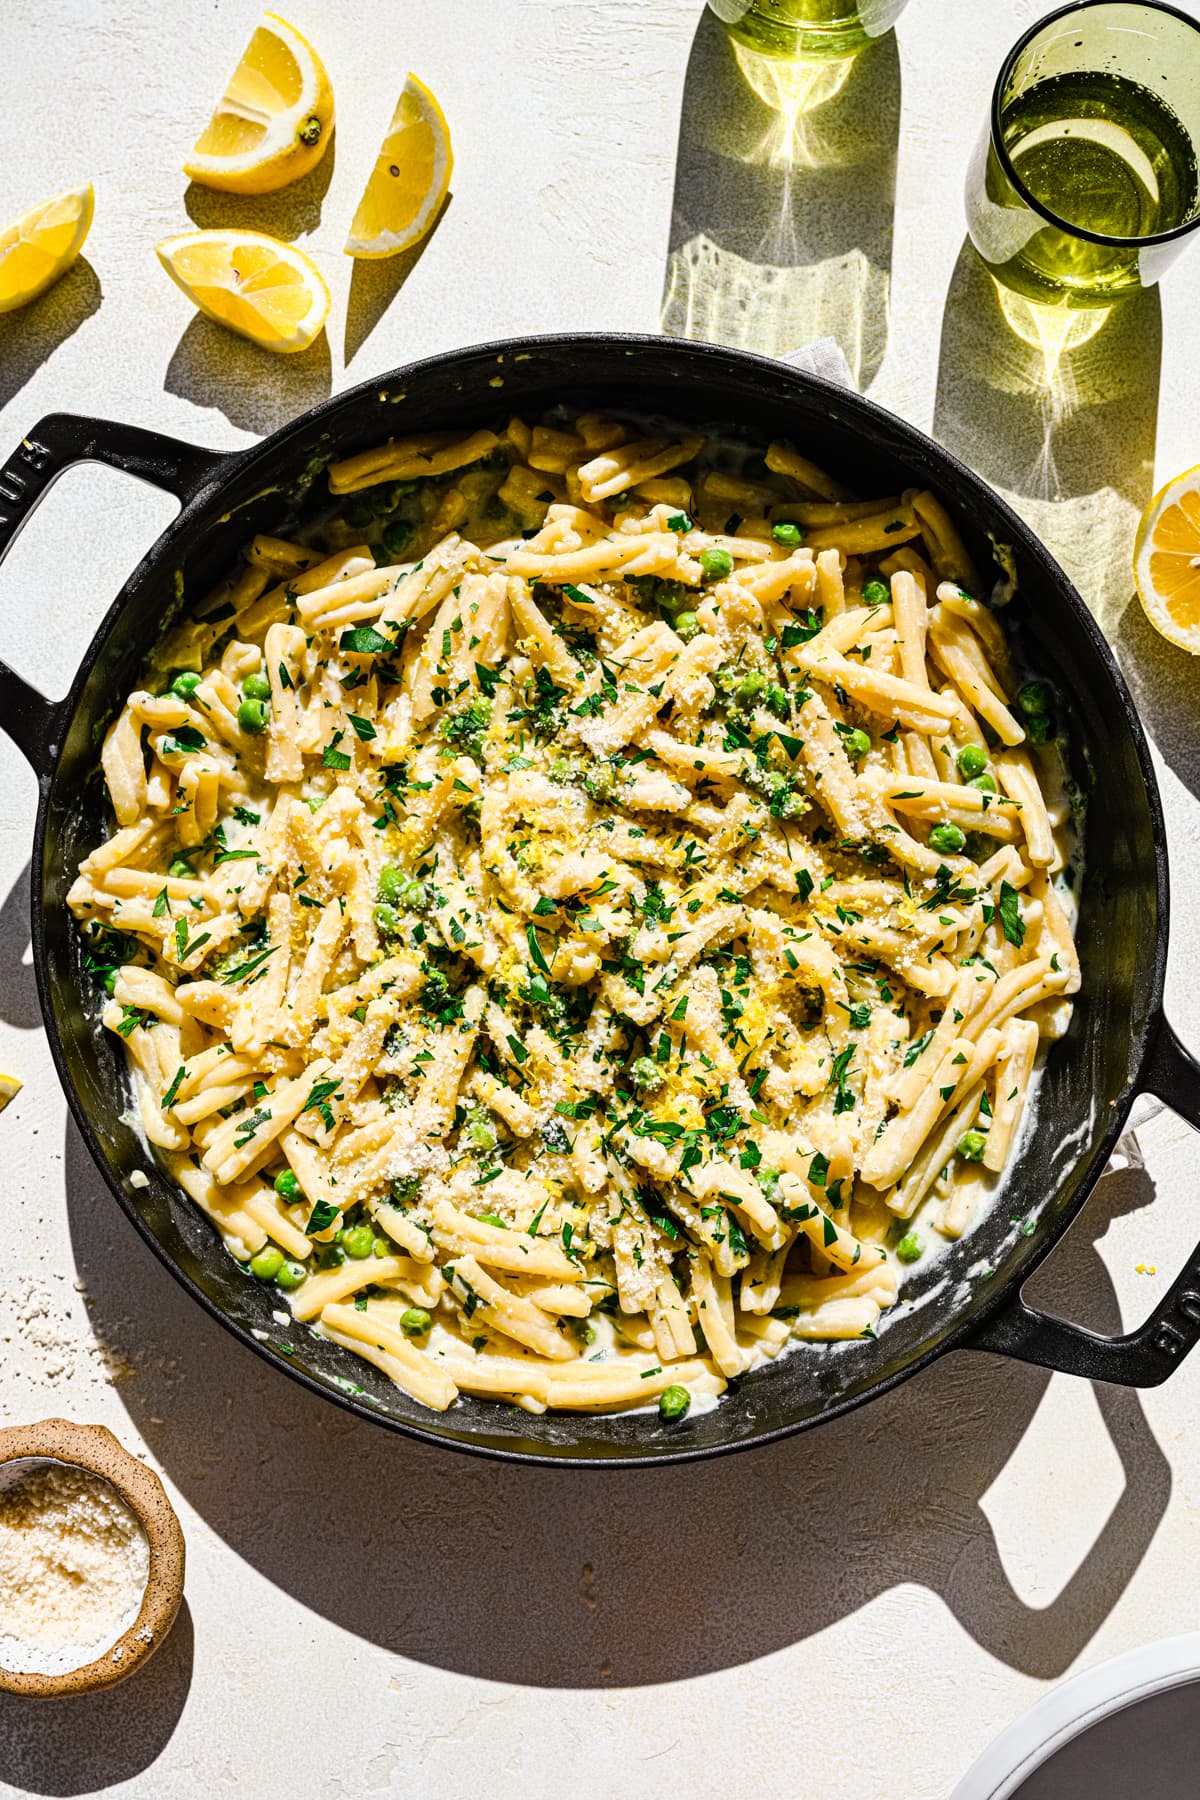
<point>872,417</point>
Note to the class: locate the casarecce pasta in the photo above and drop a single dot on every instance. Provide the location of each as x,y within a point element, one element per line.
<point>570,915</point>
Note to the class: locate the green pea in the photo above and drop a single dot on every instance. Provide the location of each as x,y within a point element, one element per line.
<point>985,783</point>
<point>791,535</point>
<point>1034,699</point>
<point>687,626</point>
<point>287,1184</point>
<point>359,1242</point>
<point>645,1073</point>
<point>387,920</point>
<point>185,683</point>
<point>415,1322</point>
<point>1039,729</point>
<point>391,881</point>
<point>267,1264</point>
<point>292,1275</point>
<point>971,761</point>
<point>947,838</point>
<point>256,687</point>
<point>971,1146</point>
<point>359,511</point>
<point>397,537</point>
<point>673,1402</point>
<point>180,868</point>
<point>600,781</point>
<point>253,716</point>
<point>716,564</point>
<point>856,744</point>
<point>382,1247</point>
<point>752,682</point>
<point>876,593</point>
<point>479,1129</point>
<point>910,1247</point>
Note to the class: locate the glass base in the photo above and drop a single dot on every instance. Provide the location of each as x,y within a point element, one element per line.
<point>787,44</point>
<point>809,29</point>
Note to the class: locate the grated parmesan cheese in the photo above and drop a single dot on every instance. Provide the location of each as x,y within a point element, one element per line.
<point>73,1566</point>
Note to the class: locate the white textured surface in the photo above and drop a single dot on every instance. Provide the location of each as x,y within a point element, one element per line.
<point>856,1612</point>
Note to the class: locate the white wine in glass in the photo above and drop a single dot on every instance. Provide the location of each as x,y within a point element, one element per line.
<point>1085,185</point>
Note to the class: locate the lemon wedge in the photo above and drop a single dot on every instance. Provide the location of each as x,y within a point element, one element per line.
<point>274,121</point>
<point>1166,561</point>
<point>41,245</point>
<point>10,1087</point>
<point>268,291</point>
<point>410,178</point>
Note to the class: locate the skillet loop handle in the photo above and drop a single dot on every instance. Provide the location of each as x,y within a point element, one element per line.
<point>1141,1358</point>
<point>60,440</point>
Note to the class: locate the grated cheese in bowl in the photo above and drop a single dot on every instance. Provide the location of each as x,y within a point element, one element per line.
<point>74,1561</point>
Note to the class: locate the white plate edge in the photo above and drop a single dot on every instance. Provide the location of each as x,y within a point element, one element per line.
<point>1074,1707</point>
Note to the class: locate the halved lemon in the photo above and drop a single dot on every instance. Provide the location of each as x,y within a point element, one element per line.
<point>410,178</point>
<point>268,291</point>
<point>1166,561</point>
<point>274,121</point>
<point>42,244</point>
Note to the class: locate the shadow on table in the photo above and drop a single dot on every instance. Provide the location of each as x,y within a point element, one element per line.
<point>212,367</point>
<point>1165,682</point>
<point>1064,429</point>
<point>91,1742</point>
<point>576,1579</point>
<point>28,338</point>
<point>781,223</point>
<point>375,283</point>
<point>18,986</point>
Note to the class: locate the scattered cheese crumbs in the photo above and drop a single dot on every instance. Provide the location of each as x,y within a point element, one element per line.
<point>10,1087</point>
<point>139,1179</point>
<point>73,1566</point>
<point>1147,1269</point>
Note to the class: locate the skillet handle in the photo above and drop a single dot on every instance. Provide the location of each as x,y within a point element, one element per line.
<point>1141,1358</point>
<point>59,441</point>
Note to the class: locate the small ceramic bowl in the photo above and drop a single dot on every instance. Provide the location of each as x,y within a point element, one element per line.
<point>94,1448</point>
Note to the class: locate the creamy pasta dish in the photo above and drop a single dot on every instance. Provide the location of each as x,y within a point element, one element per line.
<point>583,916</point>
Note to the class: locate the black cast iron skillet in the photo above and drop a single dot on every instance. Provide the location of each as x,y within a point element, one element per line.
<point>1119,1042</point>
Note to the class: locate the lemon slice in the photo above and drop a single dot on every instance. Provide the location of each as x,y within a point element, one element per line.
<point>10,1087</point>
<point>410,178</point>
<point>41,245</point>
<point>1166,561</point>
<point>274,121</point>
<point>268,291</point>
